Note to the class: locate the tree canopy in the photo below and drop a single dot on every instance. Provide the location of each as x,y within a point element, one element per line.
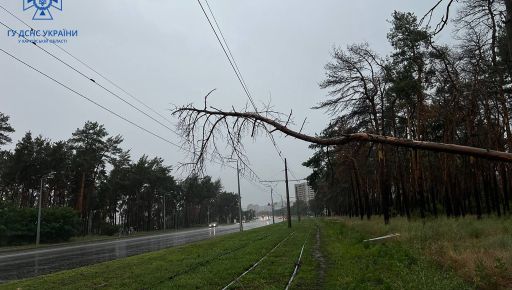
<point>108,191</point>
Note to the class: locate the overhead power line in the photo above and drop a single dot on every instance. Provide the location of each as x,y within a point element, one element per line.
<point>279,181</point>
<point>231,61</point>
<point>234,66</point>
<point>104,88</point>
<point>53,79</point>
<point>88,78</point>
<point>91,68</point>
<point>87,98</point>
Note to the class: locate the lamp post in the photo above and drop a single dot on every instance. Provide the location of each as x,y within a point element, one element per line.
<point>272,201</point>
<point>239,195</point>
<point>38,233</point>
<point>282,206</point>
<point>165,218</point>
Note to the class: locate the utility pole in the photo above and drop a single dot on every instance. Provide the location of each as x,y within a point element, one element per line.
<point>208,213</point>
<point>272,201</point>
<point>239,197</point>
<point>165,220</point>
<point>288,213</point>
<point>38,234</point>
<point>176,217</point>
<point>282,207</point>
<point>287,194</point>
<point>297,205</point>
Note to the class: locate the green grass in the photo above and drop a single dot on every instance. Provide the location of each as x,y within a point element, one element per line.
<point>480,251</point>
<point>275,270</point>
<point>354,264</point>
<point>204,265</point>
<point>335,257</point>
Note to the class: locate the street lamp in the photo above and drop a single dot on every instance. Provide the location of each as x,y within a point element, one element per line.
<point>38,234</point>
<point>272,203</point>
<point>165,219</point>
<point>239,196</point>
<point>282,206</point>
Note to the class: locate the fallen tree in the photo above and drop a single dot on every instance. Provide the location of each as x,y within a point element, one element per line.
<point>215,121</point>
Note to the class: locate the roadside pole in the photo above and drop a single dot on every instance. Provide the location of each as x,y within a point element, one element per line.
<point>287,195</point>
<point>38,234</point>
<point>165,220</point>
<point>239,198</point>
<point>176,217</point>
<point>272,201</point>
<point>282,207</point>
<point>297,205</point>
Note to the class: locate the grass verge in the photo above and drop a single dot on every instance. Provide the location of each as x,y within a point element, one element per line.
<point>480,251</point>
<point>204,265</point>
<point>335,257</point>
<point>354,264</point>
<point>276,269</point>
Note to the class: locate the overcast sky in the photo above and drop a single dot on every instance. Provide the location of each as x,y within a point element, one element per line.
<point>164,52</point>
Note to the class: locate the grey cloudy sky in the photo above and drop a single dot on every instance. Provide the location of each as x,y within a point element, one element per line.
<point>164,53</point>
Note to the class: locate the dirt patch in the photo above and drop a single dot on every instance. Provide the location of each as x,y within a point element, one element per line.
<point>319,258</point>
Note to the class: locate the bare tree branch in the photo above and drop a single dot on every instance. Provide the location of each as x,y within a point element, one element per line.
<point>244,121</point>
<point>444,19</point>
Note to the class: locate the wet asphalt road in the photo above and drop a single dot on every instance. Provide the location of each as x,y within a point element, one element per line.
<point>30,263</point>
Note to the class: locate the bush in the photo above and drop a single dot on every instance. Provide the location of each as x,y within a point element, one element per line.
<point>19,225</point>
<point>108,229</point>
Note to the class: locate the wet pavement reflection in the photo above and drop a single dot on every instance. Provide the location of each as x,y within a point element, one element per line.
<point>32,263</point>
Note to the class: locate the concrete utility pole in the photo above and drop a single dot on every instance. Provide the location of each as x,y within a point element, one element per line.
<point>288,210</point>
<point>239,197</point>
<point>38,234</point>
<point>297,205</point>
<point>165,220</point>
<point>208,213</point>
<point>176,217</point>
<point>287,194</point>
<point>272,202</point>
<point>282,207</point>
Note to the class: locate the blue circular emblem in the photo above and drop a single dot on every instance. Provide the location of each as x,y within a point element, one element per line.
<point>42,4</point>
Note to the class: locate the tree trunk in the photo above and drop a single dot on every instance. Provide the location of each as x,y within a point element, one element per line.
<point>80,199</point>
<point>384,188</point>
<point>508,25</point>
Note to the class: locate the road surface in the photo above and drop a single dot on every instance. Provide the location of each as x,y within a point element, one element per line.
<point>19,265</point>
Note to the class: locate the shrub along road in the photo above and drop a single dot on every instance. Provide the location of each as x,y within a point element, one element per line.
<point>334,257</point>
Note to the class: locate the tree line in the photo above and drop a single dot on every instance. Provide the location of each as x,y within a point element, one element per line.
<point>423,131</point>
<point>458,93</point>
<point>107,190</point>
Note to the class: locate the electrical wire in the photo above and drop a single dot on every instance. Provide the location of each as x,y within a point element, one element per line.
<point>53,79</point>
<point>235,67</point>
<point>91,79</point>
<point>88,99</point>
<point>104,88</point>
<point>91,68</point>
<point>227,56</point>
<point>115,85</point>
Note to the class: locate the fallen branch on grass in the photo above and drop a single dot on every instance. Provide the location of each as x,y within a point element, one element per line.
<point>382,238</point>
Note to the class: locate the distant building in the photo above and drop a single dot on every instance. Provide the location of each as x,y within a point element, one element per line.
<point>304,192</point>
